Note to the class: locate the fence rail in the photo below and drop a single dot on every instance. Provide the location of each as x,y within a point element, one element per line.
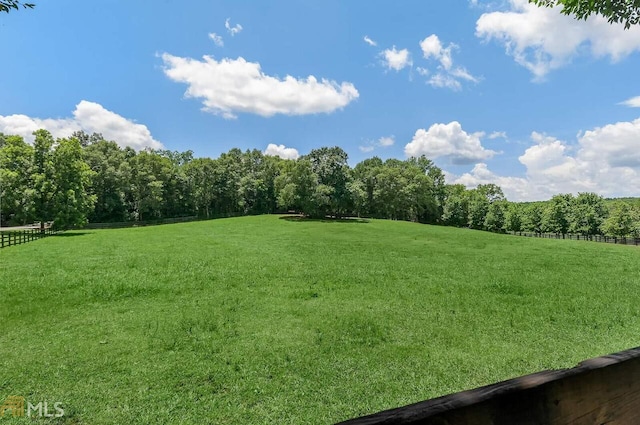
<point>13,236</point>
<point>597,391</point>
<point>576,237</point>
<point>124,224</point>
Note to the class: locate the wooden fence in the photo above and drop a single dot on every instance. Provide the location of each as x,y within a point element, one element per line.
<point>14,237</point>
<point>576,237</point>
<point>125,224</point>
<point>604,390</point>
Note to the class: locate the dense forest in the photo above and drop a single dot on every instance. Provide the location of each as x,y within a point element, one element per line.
<point>85,178</point>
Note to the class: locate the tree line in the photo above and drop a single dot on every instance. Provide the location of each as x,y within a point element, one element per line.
<point>85,178</point>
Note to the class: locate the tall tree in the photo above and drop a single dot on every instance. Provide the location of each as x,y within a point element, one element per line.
<point>43,177</point>
<point>495,219</point>
<point>514,217</point>
<point>330,165</point>
<point>557,215</point>
<point>111,182</point>
<point>72,176</point>
<point>615,11</point>
<point>533,220</point>
<point>588,212</point>
<point>456,206</point>
<point>366,172</point>
<point>200,176</point>
<point>620,221</point>
<point>16,185</point>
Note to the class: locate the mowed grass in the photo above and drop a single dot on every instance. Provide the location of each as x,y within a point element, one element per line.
<point>264,320</point>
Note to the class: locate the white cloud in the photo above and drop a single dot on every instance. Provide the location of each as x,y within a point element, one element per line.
<point>229,86</point>
<point>448,141</point>
<point>217,39</point>
<point>498,135</point>
<point>233,30</point>
<point>432,48</point>
<point>542,39</point>
<point>447,75</point>
<point>369,41</point>
<point>441,80</point>
<point>88,116</point>
<point>633,102</point>
<point>396,59</point>
<point>383,142</point>
<point>366,148</point>
<point>282,151</point>
<point>386,141</point>
<point>605,160</point>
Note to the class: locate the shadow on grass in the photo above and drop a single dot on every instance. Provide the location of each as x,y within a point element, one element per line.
<point>302,219</point>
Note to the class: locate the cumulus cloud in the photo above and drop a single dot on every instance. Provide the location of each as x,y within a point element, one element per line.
<point>633,102</point>
<point>542,39</point>
<point>498,135</point>
<point>396,59</point>
<point>605,160</point>
<point>282,151</point>
<point>217,39</point>
<point>369,41</point>
<point>229,86</point>
<point>446,74</point>
<point>233,30</point>
<point>367,148</point>
<point>88,116</point>
<point>383,142</point>
<point>449,141</point>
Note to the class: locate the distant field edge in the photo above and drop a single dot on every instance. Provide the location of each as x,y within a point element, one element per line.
<point>597,391</point>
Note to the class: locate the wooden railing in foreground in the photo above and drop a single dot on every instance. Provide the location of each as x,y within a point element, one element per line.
<point>604,390</point>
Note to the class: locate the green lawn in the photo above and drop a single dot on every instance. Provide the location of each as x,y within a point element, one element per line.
<point>268,320</point>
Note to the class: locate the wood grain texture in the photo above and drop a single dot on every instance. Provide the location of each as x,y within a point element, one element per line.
<point>604,390</point>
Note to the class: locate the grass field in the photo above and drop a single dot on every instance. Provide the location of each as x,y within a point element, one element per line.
<point>269,320</point>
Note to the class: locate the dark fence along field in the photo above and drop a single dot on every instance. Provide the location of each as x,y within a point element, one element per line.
<point>592,238</point>
<point>124,224</point>
<point>13,236</point>
<point>604,390</point>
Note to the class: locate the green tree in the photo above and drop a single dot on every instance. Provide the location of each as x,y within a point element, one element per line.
<point>330,165</point>
<point>148,175</point>
<point>588,212</point>
<point>620,221</point>
<point>495,219</point>
<point>200,175</point>
<point>16,186</point>
<point>72,176</point>
<point>366,172</point>
<point>8,5</point>
<point>557,215</point>
<point>111,182</point>
<point>478,209</point>
<point>615,11</point>
<point>533,219</point>
<point>43,177</point>
<point>456,206</point>
<point>298,189</point>
<point>514,217</point>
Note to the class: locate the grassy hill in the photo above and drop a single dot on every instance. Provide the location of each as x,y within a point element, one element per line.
<point>276,320</point>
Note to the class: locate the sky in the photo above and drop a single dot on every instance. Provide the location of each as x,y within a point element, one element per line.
<point>492,91</point>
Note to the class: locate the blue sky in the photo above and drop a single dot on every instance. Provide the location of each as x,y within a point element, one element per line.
<point>500,92</point>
